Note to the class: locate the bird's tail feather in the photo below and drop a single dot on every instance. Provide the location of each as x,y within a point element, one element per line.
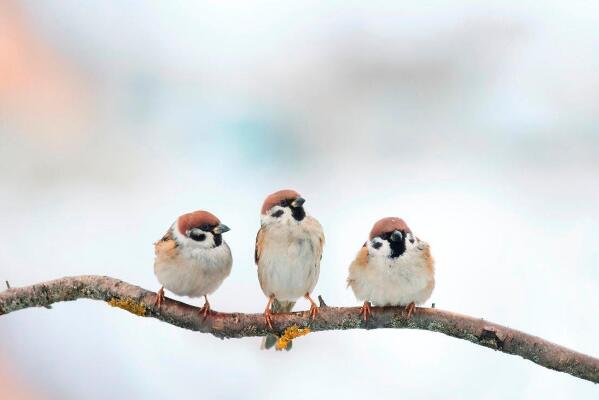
<point>281,306</point>
<point>277,306</point>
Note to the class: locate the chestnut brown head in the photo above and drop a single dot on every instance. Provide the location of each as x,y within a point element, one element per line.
<point>201,225</point>
<point>389,234</point>
<point>284,202</point>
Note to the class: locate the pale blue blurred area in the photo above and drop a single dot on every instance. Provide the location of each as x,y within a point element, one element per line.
<point>476,123</point>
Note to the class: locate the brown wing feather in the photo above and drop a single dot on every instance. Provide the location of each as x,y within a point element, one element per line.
<point>430,261</point>
<point>360,262</point>
<point>259,244</point>
<point>166,245</point>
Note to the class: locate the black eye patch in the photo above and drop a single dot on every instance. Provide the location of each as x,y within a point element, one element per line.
<point>198,237</point>
<point>277,214</point>
<point>377,245</point>
<point>207,228</point>
<point>285,203</point>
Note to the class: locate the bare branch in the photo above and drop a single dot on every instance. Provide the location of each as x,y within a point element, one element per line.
<point>235,325</point>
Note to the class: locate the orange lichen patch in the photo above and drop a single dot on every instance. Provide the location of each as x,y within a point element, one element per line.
<point>130,305</point>
<point>291,333</point>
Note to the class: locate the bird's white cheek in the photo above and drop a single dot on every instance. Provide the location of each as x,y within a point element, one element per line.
<point>283,218</point>
<point>191,244</point>
<point>200,246</point>
<point>384,250</point>
<point>208,243</point>
<point>287,218</point>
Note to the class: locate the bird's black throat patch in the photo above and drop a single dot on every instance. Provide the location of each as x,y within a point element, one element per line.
<point>298,213</point>
<point>398,247</point>
<point>218,240</point>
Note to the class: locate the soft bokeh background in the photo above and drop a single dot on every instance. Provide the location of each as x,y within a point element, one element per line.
<point>476,123</point>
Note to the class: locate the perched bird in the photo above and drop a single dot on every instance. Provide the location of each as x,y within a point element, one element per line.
<point>288,252</point>
<point>393,268</point>
<point>192,259</point>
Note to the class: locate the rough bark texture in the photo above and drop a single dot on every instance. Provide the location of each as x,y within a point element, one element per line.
<point>235,325</point>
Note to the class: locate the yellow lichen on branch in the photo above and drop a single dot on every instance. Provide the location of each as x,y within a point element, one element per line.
<point>129,305</point>
<point>291,333</point>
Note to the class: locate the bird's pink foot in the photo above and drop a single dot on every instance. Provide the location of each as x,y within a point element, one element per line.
<point>159,298</point>
<point>365,311</point>
<point>313,306</point>
<point>268,312</point>
<point>206,309</point>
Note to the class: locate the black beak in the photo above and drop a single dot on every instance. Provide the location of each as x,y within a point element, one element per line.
<point>220,229</point>
<point>298,202</point>
<point>396,236</point>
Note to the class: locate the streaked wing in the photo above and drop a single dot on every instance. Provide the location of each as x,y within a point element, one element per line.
<point>166,245</point>
<point>259,245</point>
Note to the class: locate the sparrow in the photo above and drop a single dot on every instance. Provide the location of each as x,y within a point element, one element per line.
<point>288,252</point>
<point>393,268</point>
<point>192,259</point>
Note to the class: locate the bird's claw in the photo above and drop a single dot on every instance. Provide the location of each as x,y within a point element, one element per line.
<point>268,318</point>
<point>313,306</point>
<point>365,311</point>
<point>159,298</point>
<point>205,310</point>
<point>410,309</point>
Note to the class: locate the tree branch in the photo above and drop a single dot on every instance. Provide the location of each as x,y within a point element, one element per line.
<point>236,325</point>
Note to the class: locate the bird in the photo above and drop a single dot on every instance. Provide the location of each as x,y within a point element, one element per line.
<point>393,268</point>
<point>288,251</point>
<point>192,259</point>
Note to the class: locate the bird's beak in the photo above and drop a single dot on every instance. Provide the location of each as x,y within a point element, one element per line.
<point>298,202</point>
<point>396,236</point>
<point>220,229</point>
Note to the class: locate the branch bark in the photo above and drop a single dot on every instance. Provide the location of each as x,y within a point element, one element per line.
<point>236,325</point>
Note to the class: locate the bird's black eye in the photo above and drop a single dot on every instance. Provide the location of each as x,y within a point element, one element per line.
<point>198,237</point>
<point>206,227</point>
<point>277,214</point>
<point>284,203</point>
<point>377,245</point>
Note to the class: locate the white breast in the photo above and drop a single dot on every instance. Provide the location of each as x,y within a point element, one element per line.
<point>195,272</point>
<point>394,281</point>
<point>289,263</point>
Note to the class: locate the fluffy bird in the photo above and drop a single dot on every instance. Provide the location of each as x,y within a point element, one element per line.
<point>192,259</point>
<point>393,268</point>
<point>288,251</point>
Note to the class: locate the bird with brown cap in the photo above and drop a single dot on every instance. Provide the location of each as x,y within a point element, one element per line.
<point>192,259</point>
<point>288,251</point>
<point>393,268</point>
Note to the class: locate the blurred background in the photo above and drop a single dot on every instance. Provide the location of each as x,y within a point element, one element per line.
<point>476,123</point>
